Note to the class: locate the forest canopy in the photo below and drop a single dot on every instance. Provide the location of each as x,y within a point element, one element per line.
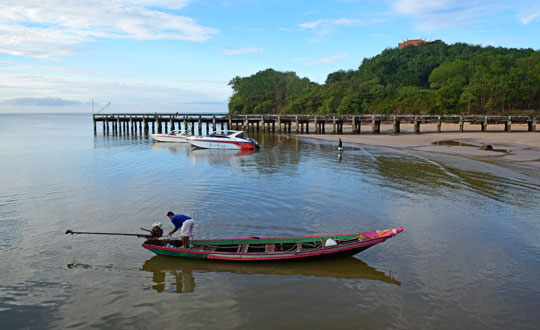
<point>432,77</point>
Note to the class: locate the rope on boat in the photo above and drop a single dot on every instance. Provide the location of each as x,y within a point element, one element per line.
<point>384,232</point>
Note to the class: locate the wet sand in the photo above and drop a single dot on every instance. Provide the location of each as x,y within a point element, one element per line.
<point>518,147</point>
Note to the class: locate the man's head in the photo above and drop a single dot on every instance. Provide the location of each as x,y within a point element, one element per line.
<point>170,214</point>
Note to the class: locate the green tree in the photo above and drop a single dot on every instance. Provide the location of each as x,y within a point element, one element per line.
<point>432,77</point>
<point>449,80</point>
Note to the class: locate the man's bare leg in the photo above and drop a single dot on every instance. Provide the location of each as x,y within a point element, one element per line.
<point>185,242</point>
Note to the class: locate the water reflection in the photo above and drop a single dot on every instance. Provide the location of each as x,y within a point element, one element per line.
<point>182,270</point>
<point>74,264</point>
<point>183,280</point>
<point>218,154</point>
<point>172,147</point>
<point>117,141</point>
<point>278,153</point>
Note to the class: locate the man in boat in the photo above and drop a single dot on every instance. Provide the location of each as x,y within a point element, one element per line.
<point>185,224</point>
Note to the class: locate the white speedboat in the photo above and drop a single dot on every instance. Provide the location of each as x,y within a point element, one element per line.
<point>174,136</point>
<point>224,140</point>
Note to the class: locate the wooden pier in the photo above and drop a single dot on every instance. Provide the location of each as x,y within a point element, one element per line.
<point>199,124</point>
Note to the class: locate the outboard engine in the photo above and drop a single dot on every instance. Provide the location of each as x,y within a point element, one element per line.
<point>156,231</point>
<point>255,143</point>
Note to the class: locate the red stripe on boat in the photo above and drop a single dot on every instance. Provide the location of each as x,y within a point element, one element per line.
<point>241,145</point>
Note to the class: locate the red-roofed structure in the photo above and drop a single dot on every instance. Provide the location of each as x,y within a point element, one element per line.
<point>414,42</point>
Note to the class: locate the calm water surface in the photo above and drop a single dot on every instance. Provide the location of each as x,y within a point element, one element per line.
<point>469,256</point>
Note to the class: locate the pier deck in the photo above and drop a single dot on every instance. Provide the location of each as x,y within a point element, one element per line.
<point>143,124</point>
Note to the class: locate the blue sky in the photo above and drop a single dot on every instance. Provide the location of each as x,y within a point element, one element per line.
<point>179,55</point>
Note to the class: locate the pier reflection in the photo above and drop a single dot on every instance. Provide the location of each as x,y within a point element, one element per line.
<point>183,270</point>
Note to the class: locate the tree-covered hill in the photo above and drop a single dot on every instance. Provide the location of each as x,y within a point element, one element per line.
<point>429,78</point>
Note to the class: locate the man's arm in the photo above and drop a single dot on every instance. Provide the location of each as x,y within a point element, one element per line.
<point>173,231</point>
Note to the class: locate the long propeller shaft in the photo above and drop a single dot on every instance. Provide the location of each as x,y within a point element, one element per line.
<point>69,231</point>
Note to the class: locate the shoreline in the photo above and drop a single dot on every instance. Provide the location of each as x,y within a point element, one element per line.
<point>519,150</point>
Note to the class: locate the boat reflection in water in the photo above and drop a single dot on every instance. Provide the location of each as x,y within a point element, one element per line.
<point>173,147</point>
<point>183,270</point>
<point>218,155</point>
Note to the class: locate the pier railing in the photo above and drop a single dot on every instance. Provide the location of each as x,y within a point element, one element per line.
<point>142,124</point>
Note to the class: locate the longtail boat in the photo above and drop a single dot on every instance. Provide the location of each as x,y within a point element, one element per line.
<point>272,248</point>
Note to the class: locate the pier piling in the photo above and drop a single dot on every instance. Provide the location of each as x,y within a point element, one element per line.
<point>416,126</point>
<point>396,128</point>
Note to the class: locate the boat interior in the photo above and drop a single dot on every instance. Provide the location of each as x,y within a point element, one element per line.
<point>227,134</point>
<point>256,247</point>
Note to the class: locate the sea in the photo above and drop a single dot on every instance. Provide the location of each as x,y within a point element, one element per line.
<point>468,258</point>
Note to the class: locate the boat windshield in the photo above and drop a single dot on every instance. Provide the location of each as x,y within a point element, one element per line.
<point>241,135</point>
<point>216,134</point>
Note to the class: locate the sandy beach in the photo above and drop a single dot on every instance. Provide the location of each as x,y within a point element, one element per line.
<point>517,147</point>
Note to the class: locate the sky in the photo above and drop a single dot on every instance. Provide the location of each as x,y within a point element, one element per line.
<point>179,55</point>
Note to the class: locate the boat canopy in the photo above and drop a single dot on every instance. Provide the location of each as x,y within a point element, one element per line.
<point>228,134</point>
<point>177,132</point>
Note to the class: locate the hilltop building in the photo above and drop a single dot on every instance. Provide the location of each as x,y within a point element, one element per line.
<point>414,42</point>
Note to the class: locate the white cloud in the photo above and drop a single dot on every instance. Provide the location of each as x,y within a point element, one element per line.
<point>339,21</point>
<point>42,102</point>
<point>240,51</point>
<point>529,17</point>
<point>321,60</point>
<point>430,15</point>
<point>19,67</point>
<point>323,26</point>
<point>311,12</point>
<point>414,7</point>
<point>30,87</point>
<point>36,28</point>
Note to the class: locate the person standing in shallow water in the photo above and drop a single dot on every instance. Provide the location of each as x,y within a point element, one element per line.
<point>185,224</point>
<point>340,145</point>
